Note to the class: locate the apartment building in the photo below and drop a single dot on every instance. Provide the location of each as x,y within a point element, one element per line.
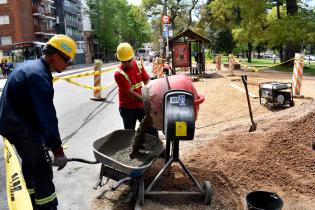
<point>69,16</point>
<point>38,20</point>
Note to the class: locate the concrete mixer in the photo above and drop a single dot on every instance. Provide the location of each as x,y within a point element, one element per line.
<point>156,89</point>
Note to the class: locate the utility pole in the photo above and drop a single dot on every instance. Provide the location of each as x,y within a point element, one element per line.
<point>165,7</point>
<point>166,31</point>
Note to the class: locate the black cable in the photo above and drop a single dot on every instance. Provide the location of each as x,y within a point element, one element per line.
<point>82,160</point>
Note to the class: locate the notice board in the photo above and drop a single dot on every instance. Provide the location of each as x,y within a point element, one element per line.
<point>181,55</point>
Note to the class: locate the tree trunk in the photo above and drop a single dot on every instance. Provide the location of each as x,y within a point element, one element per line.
<point>278,10</point>
<point>250,49</point>
<point>291,7</point>
<point>281,53</point>
<point>290,47</point>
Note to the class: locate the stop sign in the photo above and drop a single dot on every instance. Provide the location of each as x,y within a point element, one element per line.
<point>166,19</point>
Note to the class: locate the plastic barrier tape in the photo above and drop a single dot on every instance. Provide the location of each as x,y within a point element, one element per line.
<point>69,79</point>
<point>258,69</point>
<point>17,194</point>
<point>83,74</point>
<point>90,87</point>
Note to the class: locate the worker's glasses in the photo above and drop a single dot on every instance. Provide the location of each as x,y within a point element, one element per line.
<point>67,60</point>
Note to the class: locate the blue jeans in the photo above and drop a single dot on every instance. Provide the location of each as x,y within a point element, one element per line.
<point>130,117</point>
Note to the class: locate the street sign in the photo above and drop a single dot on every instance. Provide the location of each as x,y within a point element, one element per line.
<point>165,31</point>
<point>166,19</point>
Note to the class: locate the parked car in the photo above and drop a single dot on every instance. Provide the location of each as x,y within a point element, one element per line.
<point>309,57</point>
<point>152,55</point>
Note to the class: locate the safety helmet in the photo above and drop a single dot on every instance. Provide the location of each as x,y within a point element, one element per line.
<point>124,52</point>
<point>64,44</point>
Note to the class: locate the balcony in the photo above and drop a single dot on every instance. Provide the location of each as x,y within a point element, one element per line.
<point>44,30</point>
<point>49,1</point>
<point>50,15</point>
<point>71,9</point>
<point>39,11</point>
<point>73,23</point>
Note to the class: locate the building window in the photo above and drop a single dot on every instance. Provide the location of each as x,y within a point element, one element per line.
<point>3,1</point>
<point>5,40</point>
<point>4,19</point>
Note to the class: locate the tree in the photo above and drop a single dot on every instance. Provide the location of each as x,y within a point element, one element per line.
<point>114,21</point>
<point>179,9</point>
<point>255,22</point>
<point>223,42</point>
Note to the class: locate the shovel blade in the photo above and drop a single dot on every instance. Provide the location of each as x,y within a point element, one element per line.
<point>253,127</point>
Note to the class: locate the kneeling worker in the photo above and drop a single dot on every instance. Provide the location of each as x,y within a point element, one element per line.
<point>28,119</point>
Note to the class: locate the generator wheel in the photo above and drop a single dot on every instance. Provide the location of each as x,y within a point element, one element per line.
<point>291,103</point>
<point>208,192</point>
<point>141,193</point>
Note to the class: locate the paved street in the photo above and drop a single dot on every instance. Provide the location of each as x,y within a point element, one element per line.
<point>81,122</point>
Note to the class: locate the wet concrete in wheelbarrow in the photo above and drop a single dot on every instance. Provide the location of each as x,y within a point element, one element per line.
<point>119,148</point>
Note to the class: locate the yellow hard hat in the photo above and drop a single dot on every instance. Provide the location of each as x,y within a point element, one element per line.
<point>64,44</point>
<point>124,52</point>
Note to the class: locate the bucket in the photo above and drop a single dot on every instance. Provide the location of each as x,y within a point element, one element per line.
<point>262,200</point>
<point>156,89</point>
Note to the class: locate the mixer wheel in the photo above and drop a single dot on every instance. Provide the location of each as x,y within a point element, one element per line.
<point>208,192</point>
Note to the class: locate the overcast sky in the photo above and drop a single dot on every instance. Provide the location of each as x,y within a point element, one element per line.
<point>135,2</point>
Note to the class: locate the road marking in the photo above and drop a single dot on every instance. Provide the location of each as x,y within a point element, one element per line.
<point>241,89</point>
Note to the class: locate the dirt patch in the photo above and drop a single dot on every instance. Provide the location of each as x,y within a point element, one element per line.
<point>277,157</point>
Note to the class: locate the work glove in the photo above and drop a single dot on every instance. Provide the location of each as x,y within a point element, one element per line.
<point>59,160</point>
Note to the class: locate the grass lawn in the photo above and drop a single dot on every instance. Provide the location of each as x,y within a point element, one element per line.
<point>309,68</point>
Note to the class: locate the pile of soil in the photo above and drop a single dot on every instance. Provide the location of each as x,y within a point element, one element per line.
<point>278,157</point>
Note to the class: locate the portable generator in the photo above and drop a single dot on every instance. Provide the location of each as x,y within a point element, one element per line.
<point>276,94</point>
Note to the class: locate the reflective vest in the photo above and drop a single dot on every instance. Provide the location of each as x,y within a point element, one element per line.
<point>137,85</point>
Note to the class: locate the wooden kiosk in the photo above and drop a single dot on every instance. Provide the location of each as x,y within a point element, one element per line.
<point>180,46</point>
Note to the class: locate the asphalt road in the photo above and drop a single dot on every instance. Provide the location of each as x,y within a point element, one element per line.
<point>81,122</point>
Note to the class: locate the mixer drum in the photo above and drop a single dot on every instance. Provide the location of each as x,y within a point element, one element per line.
<point>156,89</point>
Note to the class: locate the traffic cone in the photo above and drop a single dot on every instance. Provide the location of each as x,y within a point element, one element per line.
<point>97,81</point>
<point>218,63</point>
<point>231,65</point>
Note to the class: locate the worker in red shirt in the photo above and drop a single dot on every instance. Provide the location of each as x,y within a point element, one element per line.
<point>129,78</point>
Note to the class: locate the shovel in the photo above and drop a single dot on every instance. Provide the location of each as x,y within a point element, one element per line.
<point>254,125</point>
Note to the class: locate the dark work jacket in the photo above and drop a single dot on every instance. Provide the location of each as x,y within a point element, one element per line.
<point>27,112</point>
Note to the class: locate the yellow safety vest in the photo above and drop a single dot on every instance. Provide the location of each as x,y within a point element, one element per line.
<point>137,85</point>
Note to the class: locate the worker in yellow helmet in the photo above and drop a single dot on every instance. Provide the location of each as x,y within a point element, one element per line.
<point>28,119</point>
<point>129,78</point>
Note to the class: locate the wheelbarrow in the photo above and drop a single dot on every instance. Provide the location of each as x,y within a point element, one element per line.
<point>113,150</point>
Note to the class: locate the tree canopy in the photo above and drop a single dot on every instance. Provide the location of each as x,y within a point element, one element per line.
<point>273,23</point>
<point>115,21</point>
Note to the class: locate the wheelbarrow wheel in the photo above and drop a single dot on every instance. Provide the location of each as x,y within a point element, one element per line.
<point>207,192</point>
<point>141,193</point>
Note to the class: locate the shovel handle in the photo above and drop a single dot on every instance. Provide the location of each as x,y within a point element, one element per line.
<point>244,79</point>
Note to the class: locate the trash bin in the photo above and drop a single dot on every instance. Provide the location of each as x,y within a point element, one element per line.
<point>262,200</point>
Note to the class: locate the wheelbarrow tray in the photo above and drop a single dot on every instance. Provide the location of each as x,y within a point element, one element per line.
<point>113,151</point>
